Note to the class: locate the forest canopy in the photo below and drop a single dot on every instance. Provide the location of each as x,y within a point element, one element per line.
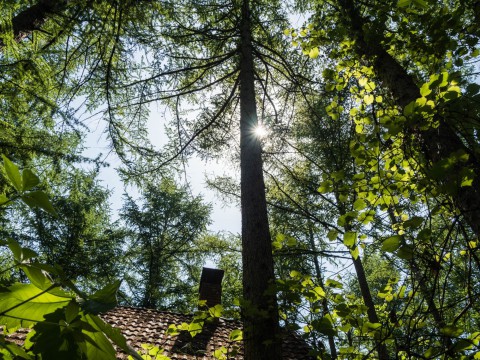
<point>354,136</point>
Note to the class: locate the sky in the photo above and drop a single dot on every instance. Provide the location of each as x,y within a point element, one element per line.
<point>225,217</point>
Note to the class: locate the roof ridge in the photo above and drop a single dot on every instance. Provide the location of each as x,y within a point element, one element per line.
<point>135,308</point>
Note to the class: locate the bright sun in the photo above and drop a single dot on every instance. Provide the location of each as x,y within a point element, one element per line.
<point>260,131</point>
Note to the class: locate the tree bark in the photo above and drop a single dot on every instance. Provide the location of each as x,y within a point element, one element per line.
<point>260,314</point>
<point>331,339</point>
<point>368,300</point>
<point>32,18</point>
<point>437,143</point>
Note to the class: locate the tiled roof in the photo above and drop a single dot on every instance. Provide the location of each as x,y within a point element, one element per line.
<point>147,326</point>
<point>142,326</point>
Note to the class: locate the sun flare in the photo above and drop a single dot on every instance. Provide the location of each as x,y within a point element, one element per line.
<point>260,131</point>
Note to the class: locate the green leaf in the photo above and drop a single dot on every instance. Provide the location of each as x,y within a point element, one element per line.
<point>405,252</point>
<point>3,199</point>
<point>359,204</point>
<point>420,4</point>
<point>39,199</point>
<point>349,238</point>
<point>355,253</point>
<point>104,299</point>
<point>451,331</point>
<point>13,173</point>
<point>236,335</point>
<point>324,326</point>
<point>112,333</point>
<point>216,311</point>
<point>314,52</point>
<point>29,179</point>
<point>414,222</point>
<point>71,311</point>
<point>392,243</point>
<point>36,276</point>
<point>14,349</point>
<point>333,284</point>
<point>409,109</point>
<point>195,327</point>
<point>425,89</point>
<point>404,3</point>
<point>332,235</point>
<point>16,250</point>
<point>25,304</point>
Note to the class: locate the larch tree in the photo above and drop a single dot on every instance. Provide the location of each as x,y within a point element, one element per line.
<point>163,228</point>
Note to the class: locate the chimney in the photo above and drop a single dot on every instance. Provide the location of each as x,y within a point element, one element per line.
<point>211,286</point>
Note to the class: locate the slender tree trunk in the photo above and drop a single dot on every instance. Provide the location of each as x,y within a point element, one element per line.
<point>437,143</point>
<point>368,300</point>
<point>260,314</point>
<point>366,295</point>
<point>331,339</point>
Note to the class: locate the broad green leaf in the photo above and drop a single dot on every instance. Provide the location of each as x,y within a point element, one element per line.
<point>369,99</point>
<point>333,284</point>
<point>405,252</point>
<point>220,353</point>
<point>392,243</point>
<point>462,344</point>
<point>414,222</point>
<point>332,235</point>
<point>16,250</point>
<point>404,3</point>
<point>15,349</point>
<point>314,52</point>
<point>71,311</point>
<point>216,311</point>
<point>26,304</point>
<point>36,276</point>
<point>420,4</point>
<point>30,180</point>
<point>409,109</point>
<point>368,326</point>
<point>195,327</point>
<point>104,299</point>
<point>425,90</point>
<point>13,173</point>
<point>359,204</point>
<point>236,335</point>
<point>324,326</point>
<point>112,333</point>
<point>38,199</point>
<point>291,241</point>
<point>451,331</point>
<point>349,238</point>
<point>355,252</point>
<point>3,199</point>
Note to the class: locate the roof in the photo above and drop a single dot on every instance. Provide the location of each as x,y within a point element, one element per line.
<point>148,326</point>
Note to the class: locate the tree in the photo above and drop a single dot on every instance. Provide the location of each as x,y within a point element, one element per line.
<point>163,228</point>
<point>431,123</point>
<point>82,240</point>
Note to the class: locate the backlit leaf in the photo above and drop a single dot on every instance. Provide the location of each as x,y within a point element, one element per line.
<point>392,243</point>
<point>13,173</point>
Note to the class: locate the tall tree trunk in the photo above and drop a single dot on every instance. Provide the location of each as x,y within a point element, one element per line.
<point>437,143</point>
<point>260,315</point>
